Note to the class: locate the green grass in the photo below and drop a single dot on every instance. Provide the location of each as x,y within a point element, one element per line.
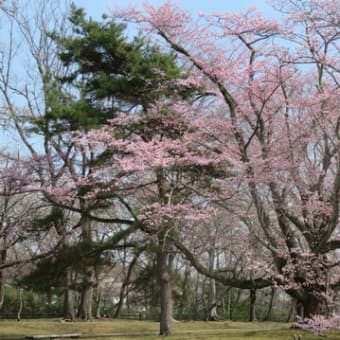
<point>129,330</point>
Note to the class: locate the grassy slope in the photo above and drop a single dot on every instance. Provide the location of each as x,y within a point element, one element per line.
<point>122,329</point>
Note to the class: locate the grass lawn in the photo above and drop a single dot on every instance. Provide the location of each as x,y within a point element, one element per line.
<point>128,330</point>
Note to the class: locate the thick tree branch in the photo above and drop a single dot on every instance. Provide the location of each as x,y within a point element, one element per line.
<point>222,276</point>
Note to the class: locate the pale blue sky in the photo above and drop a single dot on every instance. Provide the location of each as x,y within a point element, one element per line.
<point>96,8</point>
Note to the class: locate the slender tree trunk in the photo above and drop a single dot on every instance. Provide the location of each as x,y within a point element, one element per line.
<point>21,304</point>
<point>229,306</point>
<point>185,290</point>
<point>123,289</point>
<point>237,301</point>
<point>197,281</point>
<point>270,307</point>
<point>69,312</point>
<point>3,256</point>
<point>291,311</point>
<point>153,291</point>
<point>100,303</point>
<point>165,292</point>
<point>2,290</point>
<point>212,304</point>
<point>252,301</point>
<point>299,309</point>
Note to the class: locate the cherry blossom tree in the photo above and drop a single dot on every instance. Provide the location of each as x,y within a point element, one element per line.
<point>154,162</point>
<point>276,86</point>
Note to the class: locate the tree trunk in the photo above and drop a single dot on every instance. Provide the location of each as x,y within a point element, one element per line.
<point>85,308</point>
<point>313,306</point>
<point>291,311</point>
<point>124,287</point>
<point>21,304</point>
<point>185,291</point>
<point>69,305</point>
<point>2,290</point>
<point>236,303</point>
<point>212,304</point>
<point>252,301</point>
<point>89,274</point>
<point>270,307</point>
<point>228,304</point>
<point>165,292</point>
<point>3,256</point>
<point>100,303</point>
<point>310,305</point>
<point>69,297</point>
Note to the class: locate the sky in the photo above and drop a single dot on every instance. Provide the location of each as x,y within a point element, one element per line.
<point>96,8</point>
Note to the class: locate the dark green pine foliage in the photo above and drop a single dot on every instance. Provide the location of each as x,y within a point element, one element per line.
<point>111,72</point>
<point>49,273</point>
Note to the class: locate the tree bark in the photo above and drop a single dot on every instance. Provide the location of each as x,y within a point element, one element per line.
<point>252,306</point>
<point>69,305</point>
<point>69,312</point>
<point>89,272</point>
<point>212,303</point>
<point>227,304</point>
<point>123,289</point>
<point>270,307</point>
<point>100,303</point>
<point>2,290</point>
<point>21,304</point>
<point>312,306</point>
<point>85,307</point>
<point>3,256</point>
<point>291,311</point>
<point>165,292</point>
<point>185,290</point>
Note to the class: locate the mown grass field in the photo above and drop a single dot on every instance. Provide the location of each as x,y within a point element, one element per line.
<point>124,329</point>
